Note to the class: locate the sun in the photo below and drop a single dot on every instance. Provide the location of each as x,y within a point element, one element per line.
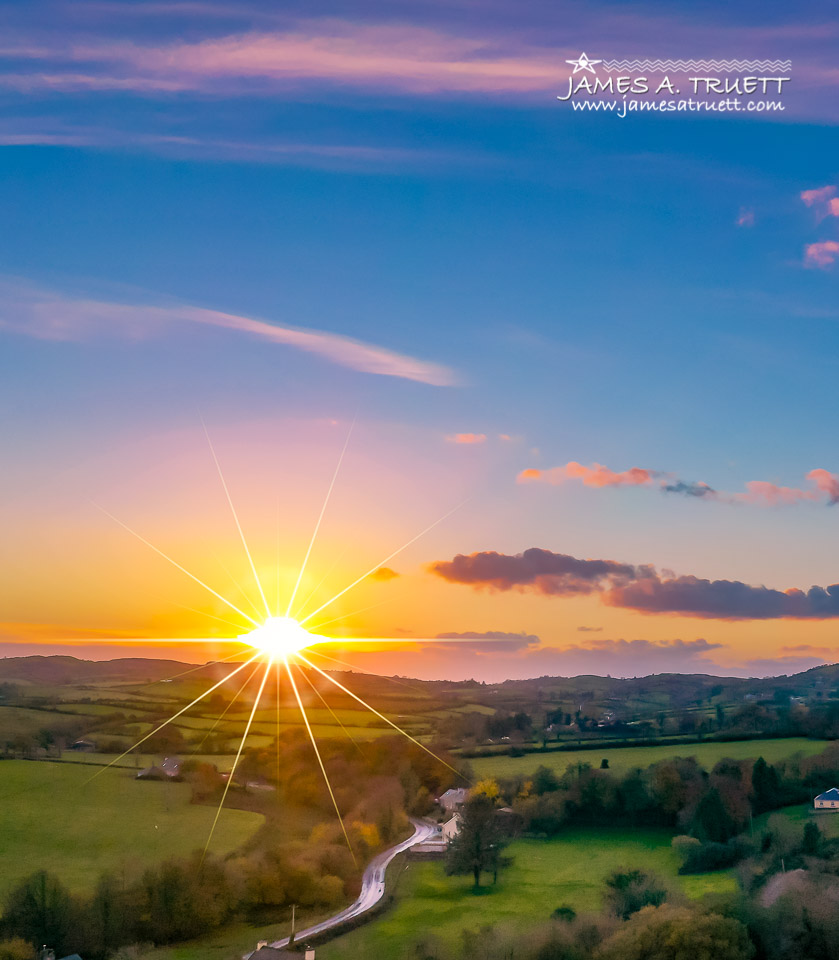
<point>279,637</point>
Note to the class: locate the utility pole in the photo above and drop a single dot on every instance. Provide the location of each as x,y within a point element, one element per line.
<point>293,912</point>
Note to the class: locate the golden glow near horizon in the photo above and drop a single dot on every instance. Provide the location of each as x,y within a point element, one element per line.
<point>279,637</point>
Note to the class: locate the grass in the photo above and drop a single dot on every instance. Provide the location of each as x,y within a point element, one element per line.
<point>52,818</point>
<point>826,820</point>
<point>545,874</point>
<point>622,759</point>
<point>26,721</point>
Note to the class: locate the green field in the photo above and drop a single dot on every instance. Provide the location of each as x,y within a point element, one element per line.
<point>51,818</point>
<point>545,874</point>
<point>622,759</point>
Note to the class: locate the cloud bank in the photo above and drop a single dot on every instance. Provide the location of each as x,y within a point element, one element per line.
<point>639,588</point>
<point>824,489</point>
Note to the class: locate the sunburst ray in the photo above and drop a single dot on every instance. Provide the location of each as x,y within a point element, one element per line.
<point>175,716</point>
<point>236,758</point>
<point>236,518</point>
<point>318,755</point>
<point>381,716</point>
<point>176,564</point>
<point>319,521</point>
<point>381,563</point>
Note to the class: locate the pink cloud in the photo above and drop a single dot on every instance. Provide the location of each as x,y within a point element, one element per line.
<point>826,482</point>
<point>50,316</point>
<point>594,476</point>
<point>467,438</point>
<point>746,217</point>
<point>820,195</point>
<point>773,495</point>
<point>822,254</point>
<point>406,58</point>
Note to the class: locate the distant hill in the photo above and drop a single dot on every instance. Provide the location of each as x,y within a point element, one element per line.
<point>681,686</point>
<point>59,669</point>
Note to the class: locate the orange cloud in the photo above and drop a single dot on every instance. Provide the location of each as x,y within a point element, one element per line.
<point>467,438</point>
<point>384,574</point>
<point>822,254</point>
<point>594,476</point>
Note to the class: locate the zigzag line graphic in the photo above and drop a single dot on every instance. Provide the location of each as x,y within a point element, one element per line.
<point>716,66</point>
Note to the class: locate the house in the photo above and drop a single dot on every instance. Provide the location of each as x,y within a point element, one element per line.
<point>171,766</point>
<point>829,800</point>
<point>170,769</point>
<point>452,800</point>
<point>451,828</point>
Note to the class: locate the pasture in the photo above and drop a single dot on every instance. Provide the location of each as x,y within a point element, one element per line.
<point>567,871</point>
<point>112,822</point>
<point>622,759</point>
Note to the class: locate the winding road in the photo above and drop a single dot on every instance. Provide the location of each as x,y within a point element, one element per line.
<point>372,885</point>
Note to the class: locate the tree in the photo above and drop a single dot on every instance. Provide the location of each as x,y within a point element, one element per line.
<point>676,933</point>
<point>40,910</point>
<point>478,846</point>
<point>544,780</point>
<point>711,820</point>
<point>812,839</point>
<point>765,786</point>
<point>631,890</point>
<point>15,949</point>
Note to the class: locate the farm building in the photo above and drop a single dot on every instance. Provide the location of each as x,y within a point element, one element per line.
<point>170,769</point>
<point>829,800</point>
<point>453,800</point>
<point>451,828</point>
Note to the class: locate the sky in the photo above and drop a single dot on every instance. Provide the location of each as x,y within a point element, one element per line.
<point>577,368</point>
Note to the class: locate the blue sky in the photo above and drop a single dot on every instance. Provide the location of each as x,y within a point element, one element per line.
<point>581,280</point>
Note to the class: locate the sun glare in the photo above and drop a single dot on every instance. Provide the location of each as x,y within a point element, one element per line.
<point>279,637</point>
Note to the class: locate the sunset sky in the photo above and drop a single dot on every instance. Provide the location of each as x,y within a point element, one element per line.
<point>603,350</point>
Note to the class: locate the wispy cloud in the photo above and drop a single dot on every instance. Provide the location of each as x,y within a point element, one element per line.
<point>636,587</point>
<point>52,316</point>
<point>759,492</point>
<point>491,640</point>
<point>746,217</point>
<point>441,55</point>
<point>401,58</point>
<point>467,438</point>
<point>48,131</point>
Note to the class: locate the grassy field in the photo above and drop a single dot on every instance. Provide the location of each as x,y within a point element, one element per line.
<point>110,823</point>
<point>622,759</point>
<point>545,874</point>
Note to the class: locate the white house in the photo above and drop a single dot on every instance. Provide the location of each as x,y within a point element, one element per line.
<point>829,800</point>
<point>451,828</point>
<point>452,800</point>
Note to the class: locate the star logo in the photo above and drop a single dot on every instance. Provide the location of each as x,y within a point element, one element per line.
<point>583,63</point>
